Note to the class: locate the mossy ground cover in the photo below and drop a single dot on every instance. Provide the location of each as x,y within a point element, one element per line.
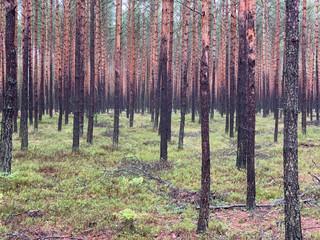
<point>53,191</point>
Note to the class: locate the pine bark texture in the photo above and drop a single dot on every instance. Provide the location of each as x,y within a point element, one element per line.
<point>304,70</point>
<point>251,41</point>
<point>290,144</point>
<point>277,73</point>
<point>36,96</point>
<point>117,75</point>
<point>164,128</point>
<point>11,81</point>
<point>205,103</point>
<point>242,110</point>
<point>79,70</point>
<point>24,97</point>
<point>184,71</point>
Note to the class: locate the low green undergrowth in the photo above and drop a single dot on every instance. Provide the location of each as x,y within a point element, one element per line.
<point>75,193</point>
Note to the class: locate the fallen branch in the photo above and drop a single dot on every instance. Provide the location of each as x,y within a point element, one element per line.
<point>314,176</point>
<point>134,166</point>
<point>62,237</point>
<point>301,195</point>
<point>258,205</point>
<point>311,227</point>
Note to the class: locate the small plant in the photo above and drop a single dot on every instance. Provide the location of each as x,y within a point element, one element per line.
<point>128,217</point>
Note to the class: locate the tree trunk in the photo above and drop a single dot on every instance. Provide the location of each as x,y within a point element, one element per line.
<point>66,61</point>
<point>277,70</point>
<point>11,81</point>
<point>304,70</point>
<point>58,66</point>
<point>164,128</point>
<point>232,65</point>
<point>194,61</point>
<point>92,72</point>
<point>24,95</point>
<point>184,71</point>
<point>42,58</point>
<point>317,61</point>
<point>133,64</point>
<point>251,38</point>
<point>290,144</point>
<point>36,97</point>
<point>213,89</point>
<point>50,97</point>
<point>79,68</point>
<point>30,70</point>
<point>117,75</point>
<point>227,68</point>
<point>170,69</point>
<point>242,109</point>
<point>205,103</point>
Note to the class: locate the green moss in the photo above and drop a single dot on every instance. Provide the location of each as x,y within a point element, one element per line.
<point>74,190</point>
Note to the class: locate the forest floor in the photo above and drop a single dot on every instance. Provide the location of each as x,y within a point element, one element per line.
<point>91,194</point>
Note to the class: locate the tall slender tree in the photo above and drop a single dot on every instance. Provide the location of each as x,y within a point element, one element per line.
<point>92,71</point>
<point>30,69</point>
<point>79,67</point>
<point>42,60</point>
<point>164,128</point>
<point>36,97</point>
<point>11,81</point>
<point>317,60</point>
<point>58,66</point>
<point>290,143</point>
<point>133,64</point>
<point>251,41</point>
<point>117,75</point>
<point>304,69</point>
<point>50,97</point>
<point>205,103</point>
<point>184,71</point>
<point>277,72</point>
<point>242,110</point>
<point>66,60</point>
<point>232,64</point>
<point>170,68</point>
<point>24,97</point>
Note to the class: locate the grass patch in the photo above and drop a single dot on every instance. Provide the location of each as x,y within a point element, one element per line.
<point>71,193</point>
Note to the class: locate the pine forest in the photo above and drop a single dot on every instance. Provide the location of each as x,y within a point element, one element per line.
<point>159,119</point>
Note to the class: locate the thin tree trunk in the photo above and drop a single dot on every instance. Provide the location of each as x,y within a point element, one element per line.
<point>24,95</point>
<point>184,72</point>
<point>242,109</point>
<point>133,65</point>
<point>194,60</point>
<point>92,71</point>
<point>42,58</point>
<point>205,103</point>
<point>58,66</point>
<point>11,81</point>
<point>36,97</point>
<point>30,70</point>
<point>232,65</point>
<point>170,69</point>
<point>117,75</point>
<point>317,61</point>
<point>277,70</point>
<point>304,70</point>
<point>164,128</point>
<point>227,68</point>
<point>290,144</point>
<point>66,61</point>
<point>50,62</point>
<point>79,74</point>
<point>251,38</point>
